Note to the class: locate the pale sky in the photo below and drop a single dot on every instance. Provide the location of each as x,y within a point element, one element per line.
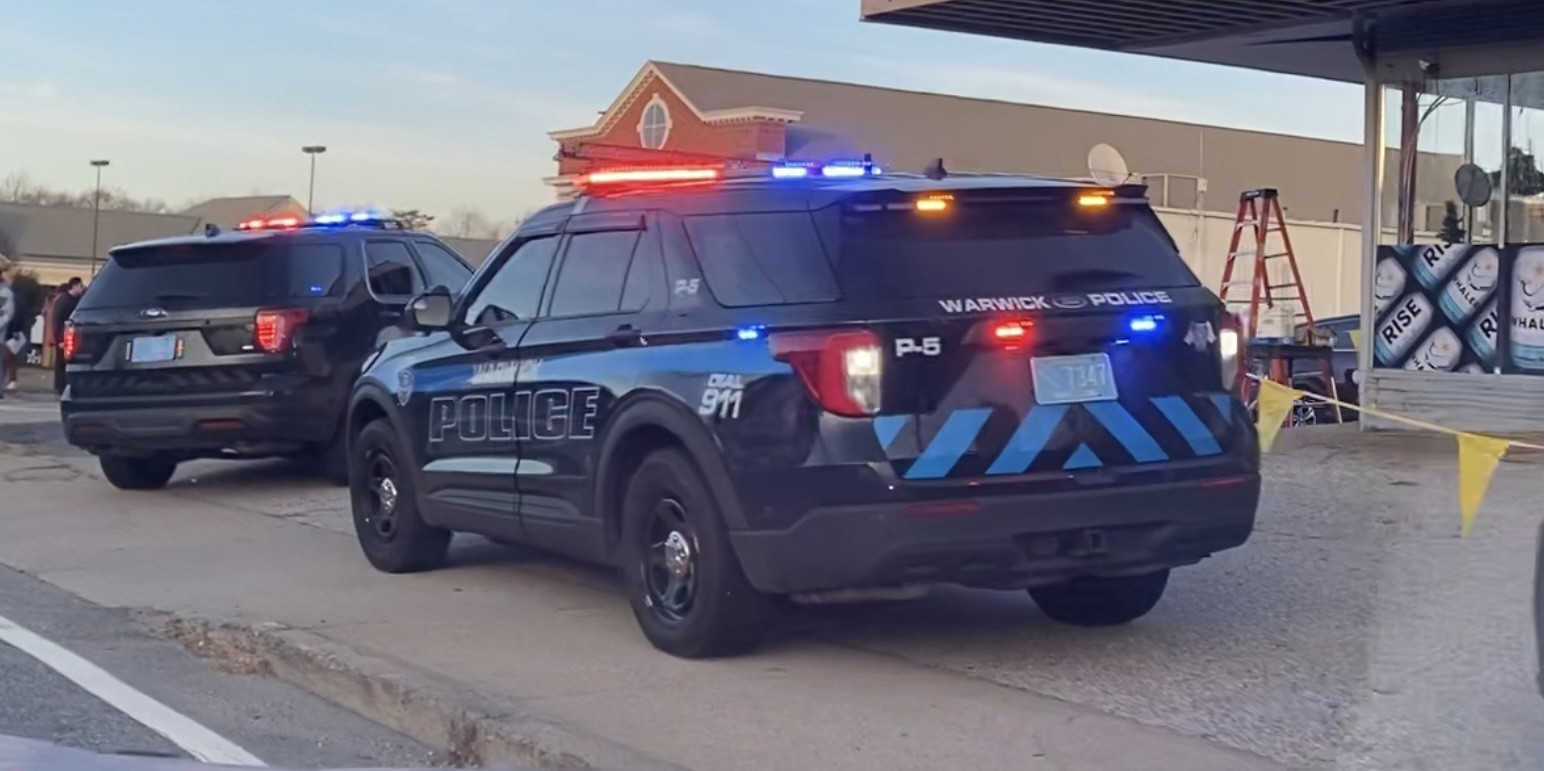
<point>438,104</point>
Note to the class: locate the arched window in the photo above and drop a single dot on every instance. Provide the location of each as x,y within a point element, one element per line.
<point>654,124</point>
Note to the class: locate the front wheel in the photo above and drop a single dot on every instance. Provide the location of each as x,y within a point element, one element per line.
<point>393,535</point>
<point>129,473</point>
<point>683,580</point>
<point>1093,601</point>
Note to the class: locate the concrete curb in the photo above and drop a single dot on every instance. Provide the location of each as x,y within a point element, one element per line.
<point>474,728</point>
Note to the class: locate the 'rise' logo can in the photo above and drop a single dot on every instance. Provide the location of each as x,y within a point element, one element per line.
<point>1400,330</point>
<point>1527,347</point>
<point>1471,285</point>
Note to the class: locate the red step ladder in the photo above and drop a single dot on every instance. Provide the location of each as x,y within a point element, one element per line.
<point>1259,212</point>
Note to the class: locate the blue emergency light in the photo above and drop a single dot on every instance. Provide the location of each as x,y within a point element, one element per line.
<point>1144,323</point>
<point>830,169</point>
<point>344,218</point>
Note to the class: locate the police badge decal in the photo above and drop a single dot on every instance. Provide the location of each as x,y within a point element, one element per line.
<point>1201,336</point>
<point>404,387</point>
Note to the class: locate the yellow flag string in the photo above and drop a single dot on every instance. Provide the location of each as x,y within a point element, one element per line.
<point>1412,422</point>
<point>1478,455</point>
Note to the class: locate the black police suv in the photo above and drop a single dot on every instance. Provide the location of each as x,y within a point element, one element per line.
<point>241,344</point>
<point>819,383</point>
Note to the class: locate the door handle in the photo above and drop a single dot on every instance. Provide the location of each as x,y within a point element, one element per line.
<point>625,336</point>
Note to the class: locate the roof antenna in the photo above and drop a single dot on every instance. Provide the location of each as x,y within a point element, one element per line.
<point>935,170</point>
<point>211,230</point>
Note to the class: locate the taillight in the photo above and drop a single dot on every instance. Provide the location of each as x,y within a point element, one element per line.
<point>71,342</point>
<point>273,330</point>
<point>1011,333</point>
<point>1229,347</point>
<point>842,369</point>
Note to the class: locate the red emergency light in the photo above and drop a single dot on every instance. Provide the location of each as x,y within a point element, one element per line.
<point>272,223</point>
<point>646,176</point>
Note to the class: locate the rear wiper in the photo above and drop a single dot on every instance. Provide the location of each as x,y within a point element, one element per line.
<point>164,296</point>
<point>1082,278</point>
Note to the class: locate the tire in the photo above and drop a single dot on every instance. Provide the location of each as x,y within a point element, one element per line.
<point>667,511</point>
<point>384,500</point>
<point>126,473</point>
<point>1101,601</point>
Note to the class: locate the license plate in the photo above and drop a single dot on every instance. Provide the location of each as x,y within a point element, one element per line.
<point>1071,379</point>
<point>148,350</point>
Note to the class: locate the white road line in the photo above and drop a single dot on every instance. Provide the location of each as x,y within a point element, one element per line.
<point>194,739</point>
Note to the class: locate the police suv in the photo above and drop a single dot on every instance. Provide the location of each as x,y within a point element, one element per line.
<point>239,344</point>
<point>819,381</point>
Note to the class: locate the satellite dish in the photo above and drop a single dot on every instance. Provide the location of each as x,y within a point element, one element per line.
<point>1106,165</point>
<point>1472,184</point>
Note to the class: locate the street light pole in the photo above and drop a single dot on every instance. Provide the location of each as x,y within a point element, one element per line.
<point>313,151</point>
<point>96,212</point>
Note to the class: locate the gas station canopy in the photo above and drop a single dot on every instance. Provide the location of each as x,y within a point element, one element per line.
<point>1317,38</point>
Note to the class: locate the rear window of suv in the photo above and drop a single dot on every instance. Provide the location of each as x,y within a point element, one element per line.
<point>980,248</point>
<point>216,275</point>
<point>1029,247</point>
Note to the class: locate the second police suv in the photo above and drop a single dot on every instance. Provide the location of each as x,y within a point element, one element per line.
<point>814,382</point>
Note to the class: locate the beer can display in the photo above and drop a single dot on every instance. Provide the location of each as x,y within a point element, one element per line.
<point>1388,284</point>
<point>1527,309</point>
<point>1461,308</point>
<point>1472,285</point>
<point>1401,327</point>
<point>1433,264</point>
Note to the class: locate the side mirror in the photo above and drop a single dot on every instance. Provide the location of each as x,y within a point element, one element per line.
<point>431,310</point>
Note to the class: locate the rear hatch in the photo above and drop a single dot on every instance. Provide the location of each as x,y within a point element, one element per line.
<point>1034,334</point>
<point>197,317</point>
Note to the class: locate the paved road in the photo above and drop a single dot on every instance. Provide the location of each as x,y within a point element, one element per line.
<point>1355,631</point>
<point>278,723</point>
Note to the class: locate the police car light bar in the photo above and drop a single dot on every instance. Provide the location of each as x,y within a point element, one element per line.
<point>271,223</point>
<point>678,174</point>
<point>321,220</point>
<point>801,170</point>
<point>626,176</point>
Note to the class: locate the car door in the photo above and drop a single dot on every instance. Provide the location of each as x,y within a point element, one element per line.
<point>392,278</point>
<point>583,352</point>
<point>466,409</point>
<point>441,266</point>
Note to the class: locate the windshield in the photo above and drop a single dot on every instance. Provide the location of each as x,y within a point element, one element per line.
<point>1011,247</point>
<point>215,275</point>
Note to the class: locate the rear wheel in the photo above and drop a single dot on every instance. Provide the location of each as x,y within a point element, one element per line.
<point>391,533</point>
<point>1095,601</point>
<point>683,580</point>
<point>137,473</point>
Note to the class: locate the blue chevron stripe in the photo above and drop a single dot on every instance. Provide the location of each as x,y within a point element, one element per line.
<point>949,444</point>
<point>887,427</point>
<point>1082,458</point>
<point>1029,439</point>
<point>1126,430</point>
<point>1188,423</point>
<point>1224,403</point>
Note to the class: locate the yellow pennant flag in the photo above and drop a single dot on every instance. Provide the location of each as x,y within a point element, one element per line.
<point>1477,459</point>
<point>1275,403</point>
<point>1356,338</point>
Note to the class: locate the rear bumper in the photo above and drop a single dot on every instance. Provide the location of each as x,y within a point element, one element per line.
<point>1003,541</point>
<point>209,425</point>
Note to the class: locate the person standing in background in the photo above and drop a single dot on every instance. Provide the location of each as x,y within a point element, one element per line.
<point>8,311</point>
<point>68,299</point>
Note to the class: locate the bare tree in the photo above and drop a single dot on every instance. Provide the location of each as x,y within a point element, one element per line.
<point>413,219</point>
<point>19,188</point>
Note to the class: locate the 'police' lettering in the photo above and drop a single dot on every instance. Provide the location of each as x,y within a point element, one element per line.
<point>549,414</point>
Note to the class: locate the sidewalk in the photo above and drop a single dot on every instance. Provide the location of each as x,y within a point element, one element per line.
<point>559,657</point>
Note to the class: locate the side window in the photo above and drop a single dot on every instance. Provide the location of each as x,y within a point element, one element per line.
<point>514,290</point>
<point>389,268</point>
<point>593,271</point>
<point>762,259</point>
<point>441,266</point>
<point>646,276</point>
<point>315,270</point>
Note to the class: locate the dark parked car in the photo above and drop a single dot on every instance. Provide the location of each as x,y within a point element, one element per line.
<point>238,345</point>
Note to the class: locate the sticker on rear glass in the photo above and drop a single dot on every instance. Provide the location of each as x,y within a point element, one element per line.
<point>1201,336</point>
<point>1054,302</point>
